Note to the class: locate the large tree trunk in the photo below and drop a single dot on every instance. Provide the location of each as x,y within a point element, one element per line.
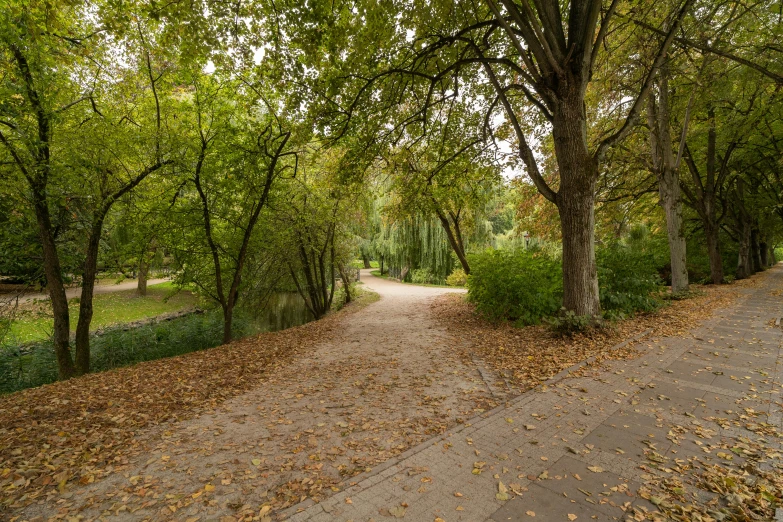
<point>55,287</point>
<point>576,204</point>
<point>666,169</point>
<point>713,251</point>
<point>366,261</point>
<point>228,319</point>
<point>672,206</point>
<point>744,263</point>
<point>755,251</point>
<point>141,287</point>
<point>85,302</point>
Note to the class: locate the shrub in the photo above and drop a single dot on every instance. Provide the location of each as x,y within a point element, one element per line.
<point>568,323</point>
<point>422,276</point>
<point>519,285</point>
<point>628,280</point>
<point>457,278</point>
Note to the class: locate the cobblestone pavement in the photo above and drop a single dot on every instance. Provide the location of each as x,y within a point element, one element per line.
<point>574,448</point>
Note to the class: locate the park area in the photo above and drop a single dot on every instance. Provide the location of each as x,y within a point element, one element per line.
<point>356,261</point>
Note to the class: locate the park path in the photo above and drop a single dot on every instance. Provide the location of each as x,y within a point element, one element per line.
<point>76,291</point>
<point>388,380</point>
<point>588,447</point>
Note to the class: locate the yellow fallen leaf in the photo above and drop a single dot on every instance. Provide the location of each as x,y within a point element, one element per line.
<point>595,469</point>
<point>256,462</point>
<point>571,516</point>
<point>209,487</point>
<point>530,513</point>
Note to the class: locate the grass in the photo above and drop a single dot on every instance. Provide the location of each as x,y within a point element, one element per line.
<point>34,322</point>
<point>377,273</point>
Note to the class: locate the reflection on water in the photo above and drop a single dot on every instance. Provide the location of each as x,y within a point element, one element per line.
<point>282,310</point>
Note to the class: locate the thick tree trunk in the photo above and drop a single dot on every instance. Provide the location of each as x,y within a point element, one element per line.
<point>576,204</point>
<point>672,206</point>
<point>366,261</point>
<point>667,171</point>
<point>763,252</point>
<point>55,287</point>
<point>85,301</point>
<point>713,251</point>
<point>744,262</point>
<point>228,319</point>
<point>141,287</point>
<point>755,251</point>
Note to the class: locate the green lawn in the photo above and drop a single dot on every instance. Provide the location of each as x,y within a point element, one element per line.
<point>113,308</point>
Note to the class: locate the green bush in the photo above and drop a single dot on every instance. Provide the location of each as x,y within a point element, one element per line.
<point>457,278</point>
<point>519,285</point>
<point>628,280</point>
<point>568,323</point>
<point>422,276</point>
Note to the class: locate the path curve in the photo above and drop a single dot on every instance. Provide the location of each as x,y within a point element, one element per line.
<point>76,291</point>
<point>383,379</point>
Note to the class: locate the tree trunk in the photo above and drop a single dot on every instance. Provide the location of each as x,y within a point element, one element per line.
<point>141,287</point>
<point>763,253</point>
<point>55,287</point>
<point>713,250</point>
<point>666,169</point>
<point>381,265</point>
<point>576,204</point>
<point>366,261</point>
<point>744,263</point>
<point>672,206</point>
<point>228,318</point>
<point>755,251</point>
<point>85,302</point>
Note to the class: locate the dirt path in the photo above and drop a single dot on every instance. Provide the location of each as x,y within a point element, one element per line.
<point>389,380</point>
<point>99,289</point>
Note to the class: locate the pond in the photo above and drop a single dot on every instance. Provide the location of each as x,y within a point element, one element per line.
<point>282,310</point>
<point>33,364</point>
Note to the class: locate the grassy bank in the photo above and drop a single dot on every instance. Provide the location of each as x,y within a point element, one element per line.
<point>34,321</point>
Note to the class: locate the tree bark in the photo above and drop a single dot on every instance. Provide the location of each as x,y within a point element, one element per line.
<point>55,286</point>
<point>576,204</point>
<point>366,261</point>
<point>85,302</point>
<point>755,250</point>
<point>744,263</point>
<point>141,287</point>
<point>228,319</point>
<point>713,251</point>
<point>666,169</point>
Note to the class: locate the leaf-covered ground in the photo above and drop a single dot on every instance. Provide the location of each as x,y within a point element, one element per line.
<point>244,430</point>
<point>523,357</point>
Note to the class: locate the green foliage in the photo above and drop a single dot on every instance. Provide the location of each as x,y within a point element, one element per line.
<point>35,365</point>
<point>628,279</point>
<point>423,276</point>
<point>457,278</point>
<point>568,323</point>
<point>519,285</point>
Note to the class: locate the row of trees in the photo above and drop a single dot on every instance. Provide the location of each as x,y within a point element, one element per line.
<point>256,143</point>
<point>120,143</point>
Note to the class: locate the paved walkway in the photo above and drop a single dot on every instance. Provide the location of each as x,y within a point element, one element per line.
<point>579,448</point>
<point>76,291</point>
